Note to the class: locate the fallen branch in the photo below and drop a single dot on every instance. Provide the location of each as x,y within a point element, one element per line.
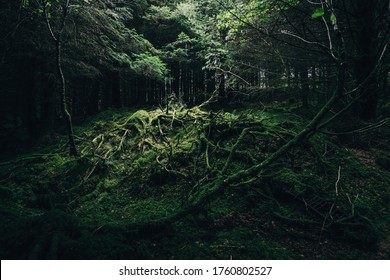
<point>234,148</point>
<point>210,189</point>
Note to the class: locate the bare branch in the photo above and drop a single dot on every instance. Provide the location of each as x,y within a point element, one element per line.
<point>337,182</point>
<point>306,41</point>
<point>328,33</point>
<point>265,32</point>
<point>231,73</point>
<point>360,130</point>
<point>359,87</point>
<point>48,25</point>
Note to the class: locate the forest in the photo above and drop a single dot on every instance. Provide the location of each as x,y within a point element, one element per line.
<point>195,129</point>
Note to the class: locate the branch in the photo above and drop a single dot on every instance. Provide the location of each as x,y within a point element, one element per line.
<point>361,86</point>
<point>308,42</point>
<point>221,182</point>
<point>360,130</point>
<point>231,73</point>
<point>65,9</point>
<point>233,150</point>
<point>338,180</point>
<point>267,34</point>
<point>48,25</point>
<point>328,33</point>
<point>217,185</point>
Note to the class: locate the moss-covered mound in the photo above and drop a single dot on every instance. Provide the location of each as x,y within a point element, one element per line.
<point>151,184</point>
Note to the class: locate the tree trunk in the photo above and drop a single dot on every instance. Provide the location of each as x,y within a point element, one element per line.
<point>180,83</point>
<point>366,44</point>
<point>304,87</point>
<point>57,39</point>
<point>68,119</point>
<point>116,90</point>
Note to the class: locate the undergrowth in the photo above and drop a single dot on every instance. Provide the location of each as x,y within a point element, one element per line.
<point>138,168</point>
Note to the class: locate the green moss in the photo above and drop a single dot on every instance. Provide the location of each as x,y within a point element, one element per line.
<point>141,166</point>
<point>139,117</point>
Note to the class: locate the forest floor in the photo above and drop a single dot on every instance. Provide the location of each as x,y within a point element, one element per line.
<point>327,198</point>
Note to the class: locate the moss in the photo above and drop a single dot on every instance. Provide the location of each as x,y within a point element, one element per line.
<point>145,165</point>
<point>141,117</point>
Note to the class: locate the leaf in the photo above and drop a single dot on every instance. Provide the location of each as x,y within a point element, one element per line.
<point>317,13</point>
<point>25,3</point>
<point>332,17</point>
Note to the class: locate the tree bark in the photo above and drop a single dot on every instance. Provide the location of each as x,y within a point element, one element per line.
<point>116,90</point>
<point>68,118</point>
<point>366,45</point>
<point>304,87</point>
<point>58,43</point>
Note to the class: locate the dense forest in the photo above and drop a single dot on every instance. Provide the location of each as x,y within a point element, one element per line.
<point>195,129</point>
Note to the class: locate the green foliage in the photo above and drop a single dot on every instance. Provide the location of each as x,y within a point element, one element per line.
<point>187,9</point>
<point>101,34</point>
<point>150,66</point>
<point>25,3</point>
<point>182,50</point>
<point>159,13</point>
<point>318,13</point>
<point>242,14</point>
<point>239,15</point>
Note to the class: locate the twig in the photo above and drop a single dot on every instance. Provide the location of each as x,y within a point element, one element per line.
<point>234,148</point>
<point>173,117</point>
<point>338,180</point>
<point>122,140</point>
<point>324,222</point>
<point>207,155</point>
<point>159,127</point>
<point>325,150</point>
<point>360,130</point>
<point>231,73</point>
<point>329,214</point>
<point>352,204</point>
<point>306,41</point>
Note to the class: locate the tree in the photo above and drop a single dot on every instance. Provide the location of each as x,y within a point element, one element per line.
<point>125,53</point>
<point>60,10</point>
<point>369,25</point>
<point>291,42</point>
<point>99,59</point>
